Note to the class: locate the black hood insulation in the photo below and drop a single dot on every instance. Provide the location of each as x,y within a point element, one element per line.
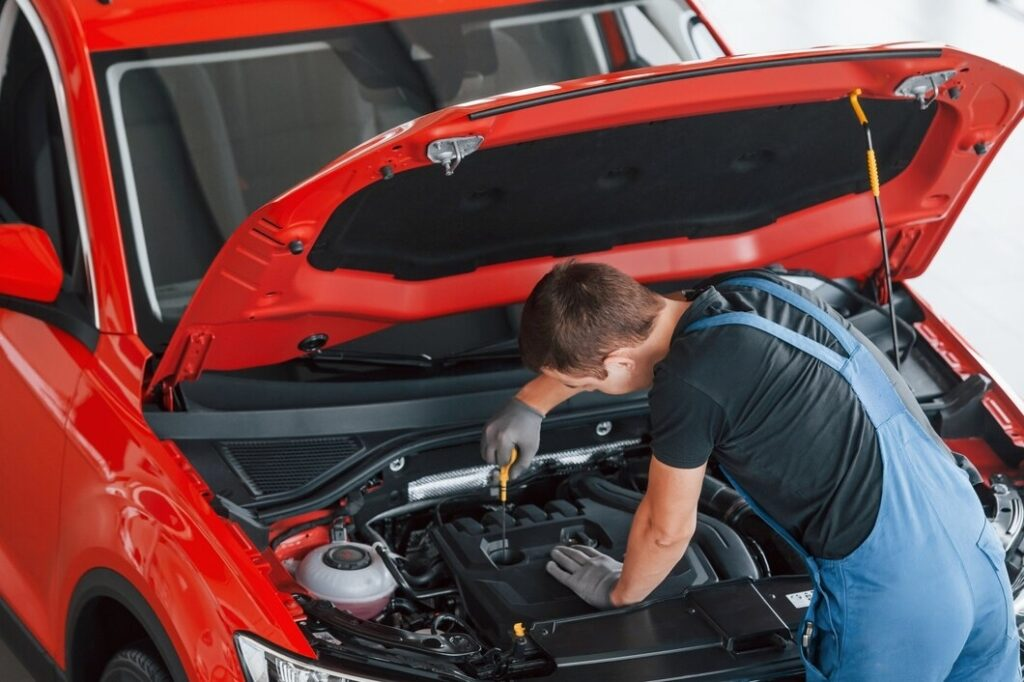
<point>695,177</point>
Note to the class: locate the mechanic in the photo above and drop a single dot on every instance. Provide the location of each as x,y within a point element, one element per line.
<point>814,427</point>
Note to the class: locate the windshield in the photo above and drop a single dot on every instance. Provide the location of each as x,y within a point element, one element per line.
<point>205,137</point>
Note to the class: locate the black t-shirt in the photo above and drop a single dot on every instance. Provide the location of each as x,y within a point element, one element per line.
<point>787,427</point>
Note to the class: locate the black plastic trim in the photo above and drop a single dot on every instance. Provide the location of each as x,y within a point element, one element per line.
<point>429,412</point>
<point>55,314</point>
<point>26,647</point>
<point>373,459</point>
<point>931,53</point>
<point>102,582</point>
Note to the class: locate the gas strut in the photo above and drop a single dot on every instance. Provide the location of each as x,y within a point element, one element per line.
<point>873,179</point>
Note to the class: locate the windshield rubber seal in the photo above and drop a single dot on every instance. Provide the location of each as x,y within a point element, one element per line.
<point>929,53</point>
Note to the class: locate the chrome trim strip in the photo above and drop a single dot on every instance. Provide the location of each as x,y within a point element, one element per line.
<point>113,76</point>
<point>53,66</point>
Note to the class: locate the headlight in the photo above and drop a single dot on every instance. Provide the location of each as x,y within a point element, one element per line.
<point>263,664</point>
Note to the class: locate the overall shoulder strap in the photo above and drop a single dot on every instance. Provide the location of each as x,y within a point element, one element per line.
<point>798,341</point>
<point>834,327</point>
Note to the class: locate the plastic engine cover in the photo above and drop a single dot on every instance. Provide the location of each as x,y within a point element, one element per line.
<point>501,589</point>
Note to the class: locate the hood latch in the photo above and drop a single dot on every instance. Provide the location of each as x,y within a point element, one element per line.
<point>923,87</point>
<point>450,151</point>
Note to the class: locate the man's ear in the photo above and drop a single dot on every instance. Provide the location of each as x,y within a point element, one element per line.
<point>621,358</point>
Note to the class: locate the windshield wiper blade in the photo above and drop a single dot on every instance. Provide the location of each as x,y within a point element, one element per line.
<point>503,350</point>
<point>356,357</point>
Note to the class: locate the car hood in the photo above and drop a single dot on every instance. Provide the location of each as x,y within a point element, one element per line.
<point>668,173</point>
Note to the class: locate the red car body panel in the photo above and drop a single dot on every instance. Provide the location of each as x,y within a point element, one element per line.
<point>148,517</point>
<point>257,286</point>
<point>138,23</point>
<point>86,485</point>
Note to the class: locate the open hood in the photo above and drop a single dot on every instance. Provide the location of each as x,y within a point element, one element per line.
<point>667,173</point>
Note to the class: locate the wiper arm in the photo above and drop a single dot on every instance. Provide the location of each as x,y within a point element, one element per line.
<point>356,357</point>
<point>503,350</point>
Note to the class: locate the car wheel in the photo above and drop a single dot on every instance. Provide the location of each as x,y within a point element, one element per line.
<point>137,662</point>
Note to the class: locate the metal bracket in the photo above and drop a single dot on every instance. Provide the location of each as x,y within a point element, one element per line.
<point>918,87</point>
<point>450,151</point>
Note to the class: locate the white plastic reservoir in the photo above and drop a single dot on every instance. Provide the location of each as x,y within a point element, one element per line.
<point>349,575</point>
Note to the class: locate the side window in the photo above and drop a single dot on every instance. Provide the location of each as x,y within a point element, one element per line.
<point>704,44</point>
<point>35,181</point>
<point>652,46</point>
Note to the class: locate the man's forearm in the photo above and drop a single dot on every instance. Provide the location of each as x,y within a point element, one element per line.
<point>650,555</point>
<point>544,393</point>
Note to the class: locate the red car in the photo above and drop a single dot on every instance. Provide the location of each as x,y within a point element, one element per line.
<point>243,371</point>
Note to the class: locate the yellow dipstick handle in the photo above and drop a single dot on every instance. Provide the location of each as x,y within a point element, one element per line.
<point>872,163</point>
<point>519,629</point>
<point>503,475</point>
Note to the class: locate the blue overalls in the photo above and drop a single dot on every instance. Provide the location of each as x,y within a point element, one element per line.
<point>926,595</point>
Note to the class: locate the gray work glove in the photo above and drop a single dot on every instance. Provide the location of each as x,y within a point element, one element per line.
<point>587,572</point>
<point>515,424</point>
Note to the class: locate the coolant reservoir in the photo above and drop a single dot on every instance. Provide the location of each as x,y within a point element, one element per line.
<point>349,575</point>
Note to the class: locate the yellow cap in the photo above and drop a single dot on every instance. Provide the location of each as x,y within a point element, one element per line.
<point>855,103</point>
<point>519,629</point>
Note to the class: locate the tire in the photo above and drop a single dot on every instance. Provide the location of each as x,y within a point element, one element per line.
<point>137,662</point>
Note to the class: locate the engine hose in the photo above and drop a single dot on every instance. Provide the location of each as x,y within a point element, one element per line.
<point>427,577</point>
<point>400,578</point>
<point>366,529</point>
<point>723,502</point>
<point>435,626</point>
<point>404,605</point>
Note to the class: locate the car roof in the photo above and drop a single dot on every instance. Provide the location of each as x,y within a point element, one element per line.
<point>127,24</point>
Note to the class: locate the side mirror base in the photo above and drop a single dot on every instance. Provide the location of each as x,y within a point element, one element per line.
<point>29,267</point>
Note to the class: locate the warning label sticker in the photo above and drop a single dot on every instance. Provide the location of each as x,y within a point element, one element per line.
<point>800,600</point>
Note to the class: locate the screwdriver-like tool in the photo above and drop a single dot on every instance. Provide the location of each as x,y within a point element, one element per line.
<point>503,497</point>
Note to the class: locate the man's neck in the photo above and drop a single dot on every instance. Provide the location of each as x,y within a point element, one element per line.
<point>660,340</point>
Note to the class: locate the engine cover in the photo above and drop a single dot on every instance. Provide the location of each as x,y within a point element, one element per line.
<point>502,588</point>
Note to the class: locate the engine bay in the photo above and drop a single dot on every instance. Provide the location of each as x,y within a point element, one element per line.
<point>473,604</point>
<point>388,536</point>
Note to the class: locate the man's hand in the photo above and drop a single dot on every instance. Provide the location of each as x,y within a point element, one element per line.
<point>516,424</point>
<point>587,572</point>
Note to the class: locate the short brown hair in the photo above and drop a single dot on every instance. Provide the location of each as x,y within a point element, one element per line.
<point>579,313</point>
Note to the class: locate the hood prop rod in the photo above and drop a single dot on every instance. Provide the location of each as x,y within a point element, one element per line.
<point>876,193</point>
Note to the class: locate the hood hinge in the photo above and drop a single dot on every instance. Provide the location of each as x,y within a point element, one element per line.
<point>902,246</point>
<point>190,366</point>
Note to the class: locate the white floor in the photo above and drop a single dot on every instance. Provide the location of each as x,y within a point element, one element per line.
<point>977,279</point>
